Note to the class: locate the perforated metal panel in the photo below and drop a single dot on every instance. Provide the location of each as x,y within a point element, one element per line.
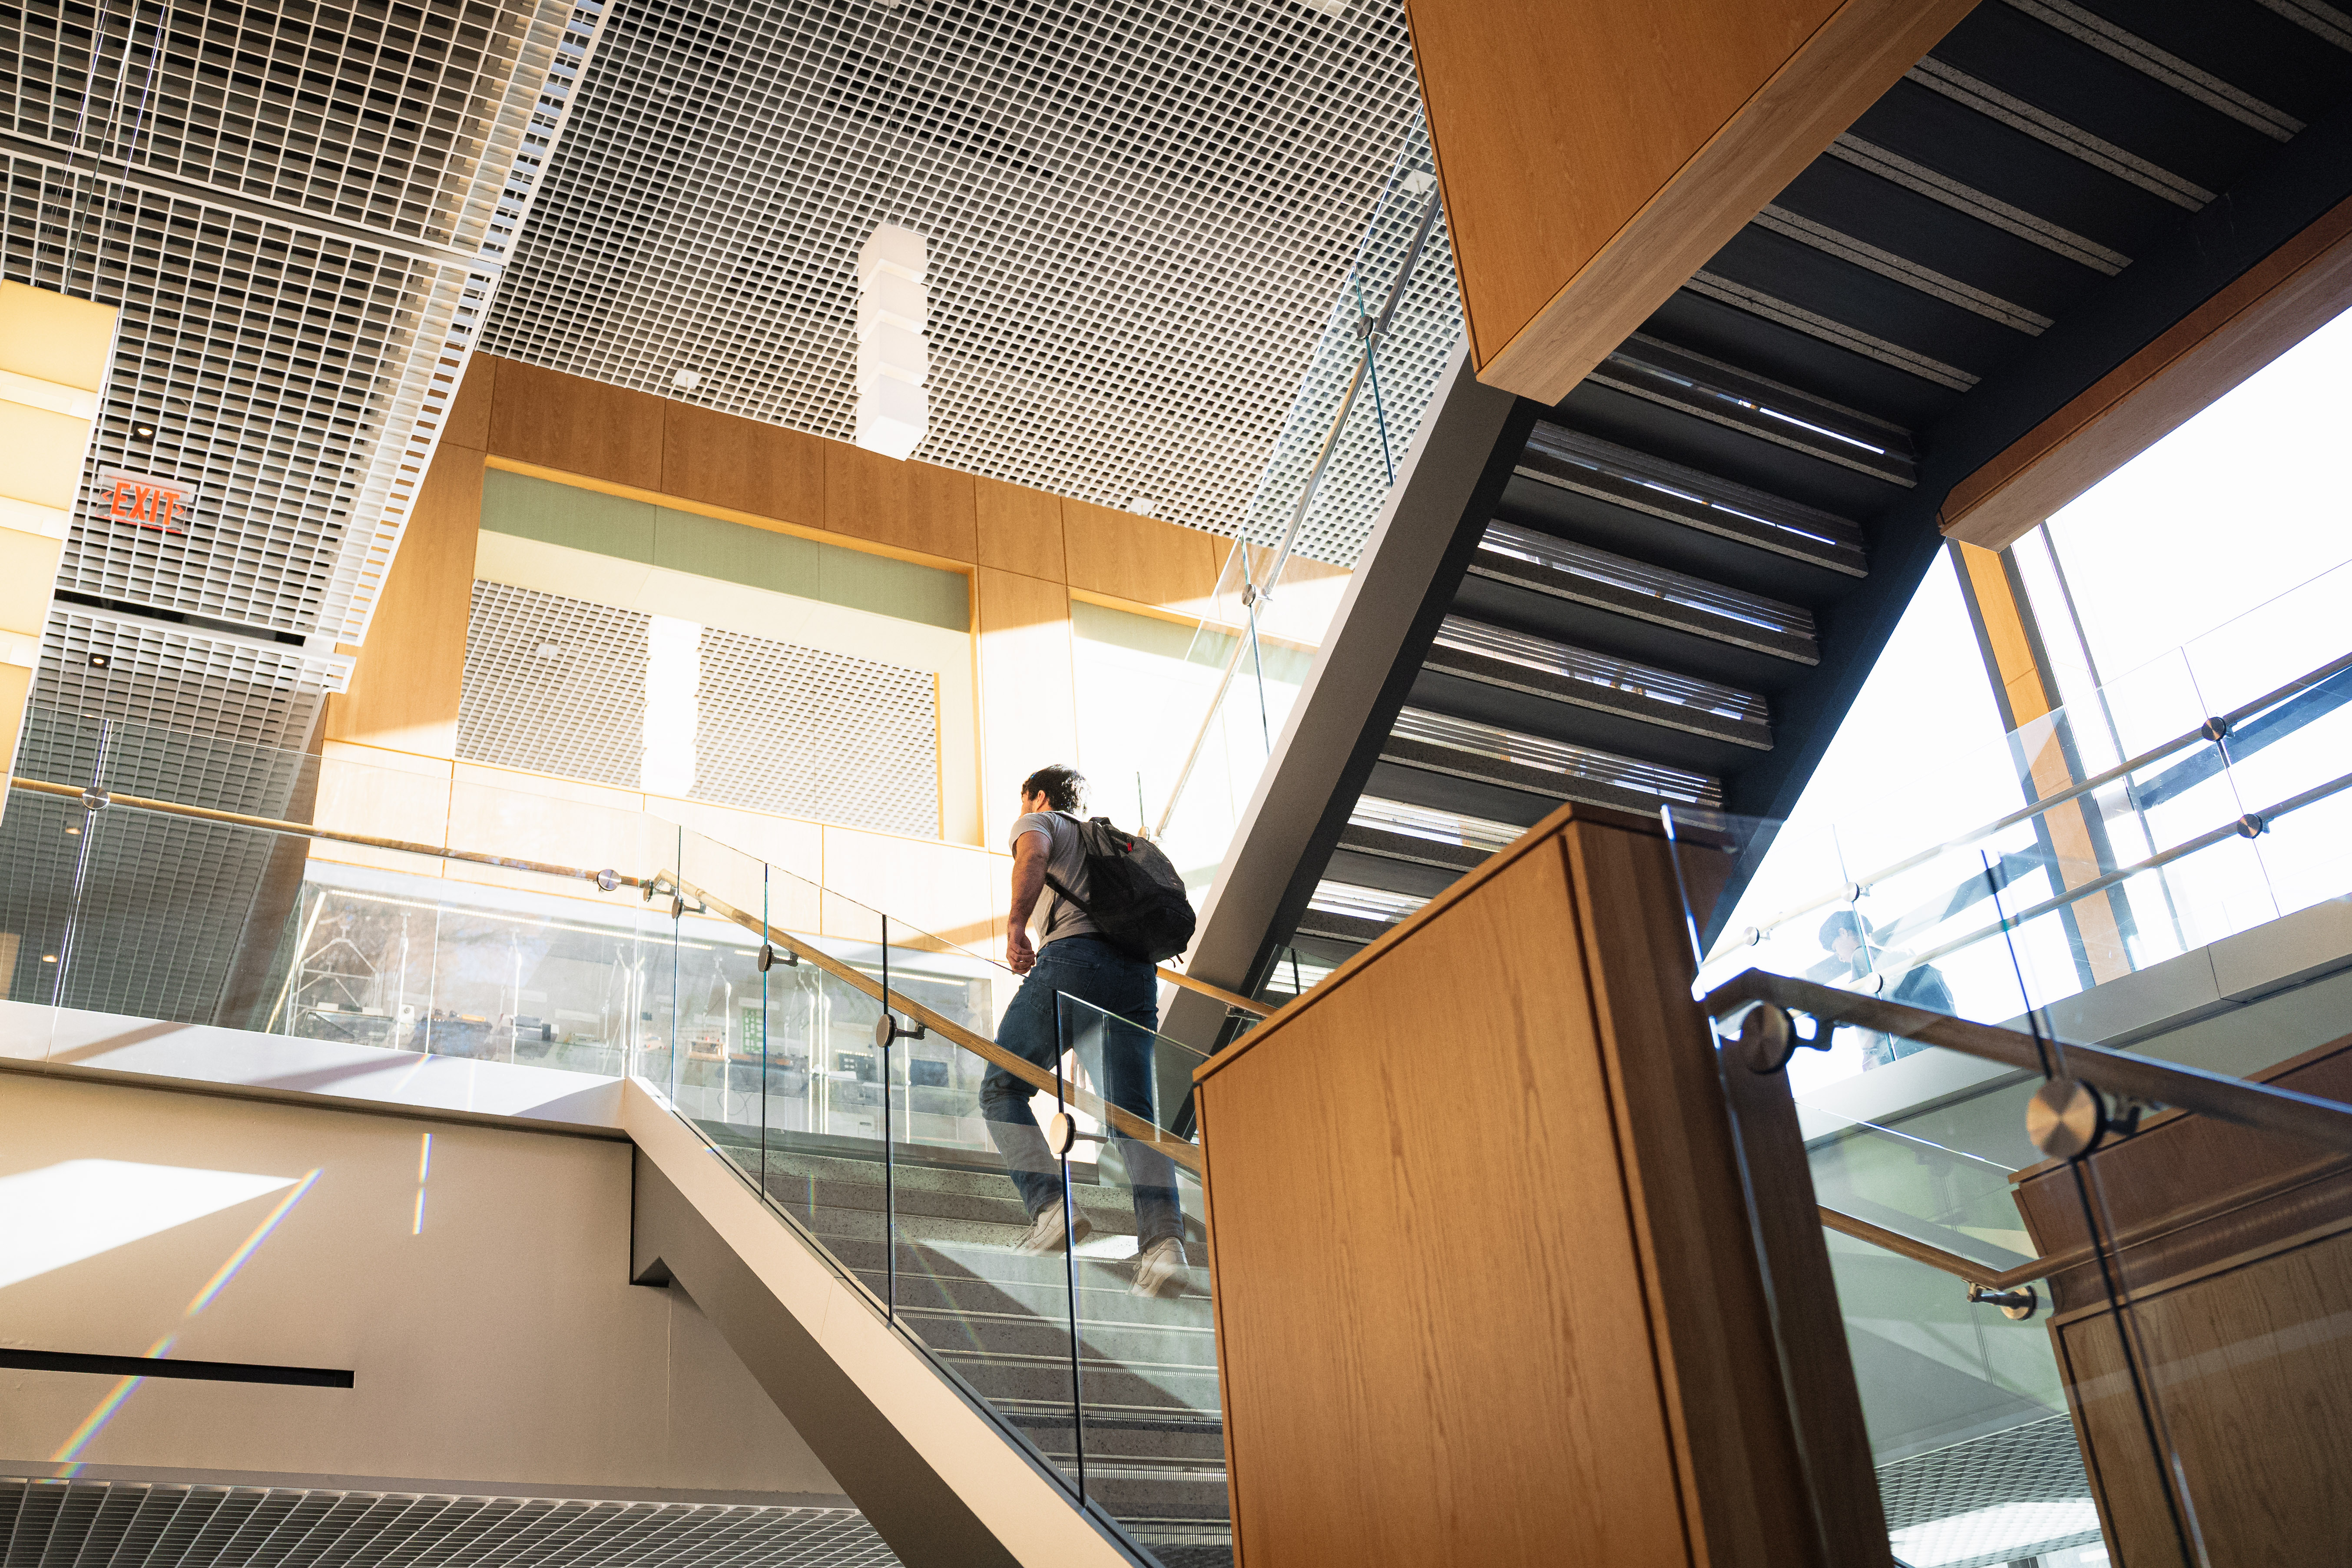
<point>131,1524</point>
<point>557,686</point>
<point>808,733</point>
<point>578,710</point>
<point>1139,214</point>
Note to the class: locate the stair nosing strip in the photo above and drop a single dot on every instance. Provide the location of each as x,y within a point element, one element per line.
<point>1555,786</point>
<point>1728,419</point>
<point>1573,693</point>
<point>1636,606</point>
<point>1731,527</point>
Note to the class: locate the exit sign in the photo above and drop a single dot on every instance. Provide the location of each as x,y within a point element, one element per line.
<point>144,501</point>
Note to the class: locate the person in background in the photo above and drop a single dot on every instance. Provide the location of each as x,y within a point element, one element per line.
<point>1067,954</point>
<point>1853,940</point>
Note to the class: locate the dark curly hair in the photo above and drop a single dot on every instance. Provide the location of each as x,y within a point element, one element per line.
<point>1065,788</point>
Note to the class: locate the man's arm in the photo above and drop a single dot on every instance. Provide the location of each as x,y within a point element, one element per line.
<point>1030,852</point>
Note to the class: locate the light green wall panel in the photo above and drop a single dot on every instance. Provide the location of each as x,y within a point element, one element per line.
<point>729,552</point>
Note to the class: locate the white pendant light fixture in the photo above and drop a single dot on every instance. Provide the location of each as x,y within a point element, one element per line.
<point>894,412</point>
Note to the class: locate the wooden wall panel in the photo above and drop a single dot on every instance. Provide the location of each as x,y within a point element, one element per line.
<point>581,427</point>
<point>744,465</point>
<point>1028,703</point>
<point>1593,155</point>
<point>406,685</point>
<point>1484,1287</point>
<point>941,520</point>
<point>1123,555</point>
<point>864,494</point>
<point>2298,289</point>
<point>1020,530</point>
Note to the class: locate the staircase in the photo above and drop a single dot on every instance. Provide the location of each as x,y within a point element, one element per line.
<point>1669,587</point>
<point>1153,1432</point>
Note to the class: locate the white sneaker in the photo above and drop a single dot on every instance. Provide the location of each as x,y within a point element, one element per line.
<point>1044,1232</point>
<point>1160,1271</point>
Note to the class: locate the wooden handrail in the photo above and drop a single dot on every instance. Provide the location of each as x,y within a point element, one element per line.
<point>1231,999</point>
<point>308,830</point>
<point>1952,1263</point>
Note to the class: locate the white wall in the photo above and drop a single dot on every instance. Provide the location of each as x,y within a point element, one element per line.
<point>497,1345</point>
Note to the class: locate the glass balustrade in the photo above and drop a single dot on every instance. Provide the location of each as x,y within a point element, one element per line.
<point>2050,1342</point>
<point>842,1059</point>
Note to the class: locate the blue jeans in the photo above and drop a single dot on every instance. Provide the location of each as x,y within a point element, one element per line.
<point>1117,1054</point>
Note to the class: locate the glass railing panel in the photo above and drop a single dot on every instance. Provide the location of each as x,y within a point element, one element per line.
<point>875,1137</point>
<point>1911,1149</point>
<point>1149,1434</point>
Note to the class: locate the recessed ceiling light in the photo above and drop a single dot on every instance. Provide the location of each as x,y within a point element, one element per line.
<point>101,660</point>
<point>686,380</point>
<point>548,650</point>
<point>48,958</point>
<point>142,430</point>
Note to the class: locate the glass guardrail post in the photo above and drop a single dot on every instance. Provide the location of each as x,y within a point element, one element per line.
<point>1062,1047</point>
<point>887,1035</point>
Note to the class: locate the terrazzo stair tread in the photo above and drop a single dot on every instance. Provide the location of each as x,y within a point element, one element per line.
<point>982,1199</point>
<point>1116,1386</point>
<point>1154,1497</point>
<point>830,1222</point>
<point>1109,1301</point>
<point>1186,1554</point>
<point>1137,1343</point>
<point>919,1260</point>
<point>1195,1451</point>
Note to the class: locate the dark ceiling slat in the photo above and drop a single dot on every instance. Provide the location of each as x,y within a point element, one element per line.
<point>1879,212</point>
<point>1601,410</point>
<point>1999,45</point>
<point>2003,161</point>
<point>1806,278</point>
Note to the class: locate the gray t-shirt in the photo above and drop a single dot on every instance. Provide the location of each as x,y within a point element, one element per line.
<point>1054,916</point>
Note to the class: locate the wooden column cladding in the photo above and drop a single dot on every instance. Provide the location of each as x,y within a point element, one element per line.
<point>2234,1250</point>
<point>1594,154</point>
<point>1487,1286</point>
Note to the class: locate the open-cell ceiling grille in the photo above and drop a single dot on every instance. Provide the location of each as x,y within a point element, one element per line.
<point>132,1524</point>
<point>301,211</point>
<point>1139,214</point>
<point>556,685</point>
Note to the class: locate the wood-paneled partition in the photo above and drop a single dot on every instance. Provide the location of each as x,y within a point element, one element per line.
<point>1486,1292</point>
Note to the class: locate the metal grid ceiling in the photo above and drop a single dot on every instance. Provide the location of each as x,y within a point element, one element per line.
<point>301,211</point>
<point>783,729</point>
<point>1992,1499</point>
<point>132,1524</point>
<point>1139,213</point>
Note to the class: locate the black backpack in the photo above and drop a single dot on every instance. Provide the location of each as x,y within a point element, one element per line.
<point>1138,901</point>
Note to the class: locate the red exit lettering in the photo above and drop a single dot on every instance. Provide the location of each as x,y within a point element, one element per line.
<point>146,502</point>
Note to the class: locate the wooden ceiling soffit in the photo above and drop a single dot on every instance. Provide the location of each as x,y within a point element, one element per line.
<point>2276,304</point>
<point>1594,155</point>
